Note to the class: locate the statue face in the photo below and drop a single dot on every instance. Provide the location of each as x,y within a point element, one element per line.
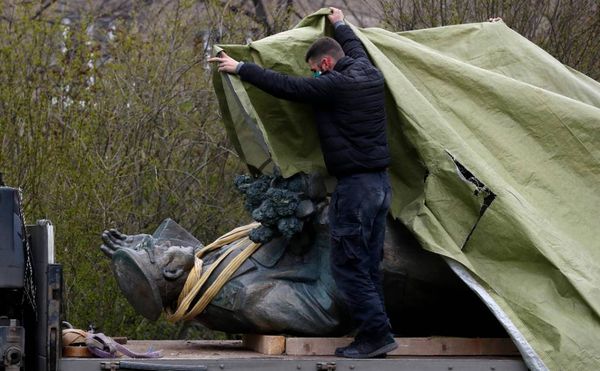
<point>151,273</point>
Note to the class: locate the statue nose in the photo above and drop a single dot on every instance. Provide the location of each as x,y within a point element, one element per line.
<point>172,274</point>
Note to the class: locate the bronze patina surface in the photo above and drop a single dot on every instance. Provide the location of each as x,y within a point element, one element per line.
<point>286,286</point>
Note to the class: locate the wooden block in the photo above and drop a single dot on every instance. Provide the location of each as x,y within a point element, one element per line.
<point>450,346</point>
<point>433,346</point>
<point>265,344</point>
<point>314,346</point>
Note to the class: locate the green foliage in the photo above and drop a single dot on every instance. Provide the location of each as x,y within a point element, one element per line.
<point>115,132</point>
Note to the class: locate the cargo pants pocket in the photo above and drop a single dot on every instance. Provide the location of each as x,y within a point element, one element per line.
<point>346,242</point>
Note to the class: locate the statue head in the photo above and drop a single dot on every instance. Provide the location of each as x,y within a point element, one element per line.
<point>151,270</point>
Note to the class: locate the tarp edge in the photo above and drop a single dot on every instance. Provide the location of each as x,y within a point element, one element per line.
<point>530,357</point>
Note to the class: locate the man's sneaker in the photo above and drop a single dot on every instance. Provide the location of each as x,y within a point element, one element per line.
<point>370,349</point>
<point>339,352</point>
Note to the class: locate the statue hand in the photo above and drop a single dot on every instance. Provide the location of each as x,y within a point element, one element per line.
<point>115,240</point>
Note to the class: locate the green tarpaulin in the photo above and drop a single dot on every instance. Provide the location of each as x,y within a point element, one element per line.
<point>495,165</point>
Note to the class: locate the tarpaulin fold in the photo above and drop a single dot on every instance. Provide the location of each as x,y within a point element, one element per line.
<point>495,164</point>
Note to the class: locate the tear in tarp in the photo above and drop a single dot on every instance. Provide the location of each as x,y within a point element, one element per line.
<point>520,122</point>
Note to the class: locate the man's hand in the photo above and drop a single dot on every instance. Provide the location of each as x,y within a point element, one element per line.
<point>336,15</point>
<point>226,63</point>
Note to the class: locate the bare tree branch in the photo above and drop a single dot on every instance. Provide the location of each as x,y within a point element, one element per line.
<point>44,6</point>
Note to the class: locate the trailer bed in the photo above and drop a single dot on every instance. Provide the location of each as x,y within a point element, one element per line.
<point>232,355</point>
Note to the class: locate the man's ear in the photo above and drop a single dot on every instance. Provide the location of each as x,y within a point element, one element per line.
<point>328,61</point>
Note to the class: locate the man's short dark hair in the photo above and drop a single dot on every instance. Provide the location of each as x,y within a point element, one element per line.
<point>324,46</point>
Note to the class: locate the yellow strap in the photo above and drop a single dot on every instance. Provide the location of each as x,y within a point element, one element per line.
<point>197,278</point>
<point>245,228</point>
<point>227,238</point>
<point>188,294</point>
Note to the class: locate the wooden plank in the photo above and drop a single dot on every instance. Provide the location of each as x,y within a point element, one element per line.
<point>265,344</point>
<point>432,346</point>
<point>449,346</point>
<point>314,346</point>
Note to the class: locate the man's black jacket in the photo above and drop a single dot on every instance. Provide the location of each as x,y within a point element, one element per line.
<point>348,102</point>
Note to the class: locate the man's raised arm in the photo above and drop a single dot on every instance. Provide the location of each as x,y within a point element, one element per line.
<point>301,89</point>
<point>345,36</point>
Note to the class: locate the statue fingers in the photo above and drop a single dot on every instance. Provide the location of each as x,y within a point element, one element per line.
<point>118,235</point>
<point>110,241</point>
<point>107,251</point>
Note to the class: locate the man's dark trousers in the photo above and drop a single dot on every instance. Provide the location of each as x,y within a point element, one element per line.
<point>357,217</point>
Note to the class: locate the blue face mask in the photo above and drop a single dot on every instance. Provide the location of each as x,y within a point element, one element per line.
<point>316,74</point>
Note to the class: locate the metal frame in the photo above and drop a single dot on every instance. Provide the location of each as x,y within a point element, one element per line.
<point>304,363</point>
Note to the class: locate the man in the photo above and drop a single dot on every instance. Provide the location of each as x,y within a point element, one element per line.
<point>348,99</point>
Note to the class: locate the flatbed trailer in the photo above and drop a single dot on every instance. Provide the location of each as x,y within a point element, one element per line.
<point>232,355</point>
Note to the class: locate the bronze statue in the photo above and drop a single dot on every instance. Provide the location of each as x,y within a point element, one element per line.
<point>286,287</point>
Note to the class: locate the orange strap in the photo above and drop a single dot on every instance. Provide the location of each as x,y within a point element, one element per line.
<point>74,343</point>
